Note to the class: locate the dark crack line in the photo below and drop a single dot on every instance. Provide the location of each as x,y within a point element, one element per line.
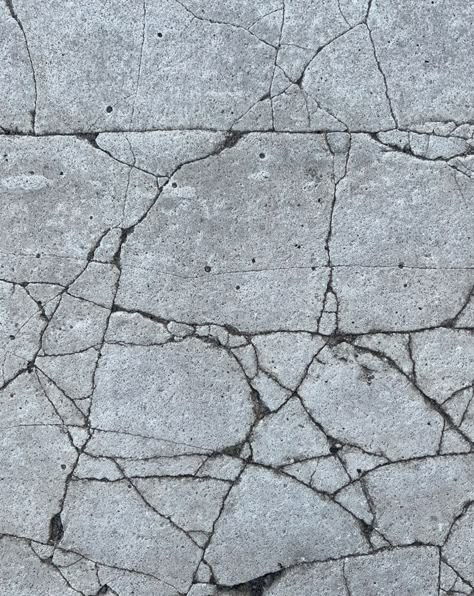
<point>379,67</point>
<point>14,15</point>
<point>223,23</point>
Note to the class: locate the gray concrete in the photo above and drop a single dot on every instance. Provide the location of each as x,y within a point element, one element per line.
<point>236,298</point>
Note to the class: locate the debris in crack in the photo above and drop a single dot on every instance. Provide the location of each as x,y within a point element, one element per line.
<point>56,530</point>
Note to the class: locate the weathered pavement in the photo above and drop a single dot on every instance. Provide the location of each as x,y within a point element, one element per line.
<point>236,298</point>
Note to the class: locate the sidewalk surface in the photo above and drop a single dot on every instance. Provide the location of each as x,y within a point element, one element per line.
<point>236,297</point>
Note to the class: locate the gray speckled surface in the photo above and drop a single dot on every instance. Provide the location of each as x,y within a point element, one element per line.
<point>236,298</point>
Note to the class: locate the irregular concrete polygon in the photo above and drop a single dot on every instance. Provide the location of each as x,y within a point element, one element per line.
<point>34,464</point>
<point>255,521</point>
<point>187,392</point>
<point>23,573</point>
<point>360,399</point>
<point>143,540</point>
<point>419,500</point>
<point>427,65</point>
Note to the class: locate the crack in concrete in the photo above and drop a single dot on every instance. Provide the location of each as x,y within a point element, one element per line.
<point>194,385</point>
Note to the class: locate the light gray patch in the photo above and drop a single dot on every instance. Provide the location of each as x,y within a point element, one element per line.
<point>286,355</point>
<point>360,399</point>
<point>191,503</point>
<point>72,373</point>
<point>396,347</point>
<point>53,227</point>
<point>187,392</point>
<point>34,465</point>
<point>255,521</point>
<point>75,326</point>
<point>345,79</point>
<point>428,69</point>
<point>96,284</point>
<point>134,328</point>
<point>399,298</point>
<point>458,549</point>
<point>324,579</point>
<point>126,582</point>
<point>17,83</point>
<point>276,240</point>
<point>144,540</point>
<point>389,208</point>
<point>286,436</point>
<point>21,325</point>
<point>444,361</point>
<point>23,573</point>
<point>402,571</point>
<point>160,153</point>
<point>419,500</point>
<point>266,300</point>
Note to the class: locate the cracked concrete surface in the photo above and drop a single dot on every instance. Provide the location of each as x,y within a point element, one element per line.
<point>236,298</point>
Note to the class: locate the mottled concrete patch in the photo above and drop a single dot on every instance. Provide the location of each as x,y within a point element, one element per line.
<point>236,298</point>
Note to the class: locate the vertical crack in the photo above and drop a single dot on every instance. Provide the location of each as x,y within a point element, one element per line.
<point>379,67</point>
<point>283,8</point>
<point>14,15</point>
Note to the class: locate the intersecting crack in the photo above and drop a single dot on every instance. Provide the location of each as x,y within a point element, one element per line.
<point>236,299</point>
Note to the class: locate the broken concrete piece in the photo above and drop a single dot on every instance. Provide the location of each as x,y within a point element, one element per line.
<point>236,298</point>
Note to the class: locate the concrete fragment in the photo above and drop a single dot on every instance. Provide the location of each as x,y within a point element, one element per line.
<point>272,394</point>
<point>458,548</point>
<point>191,503</point>
<point>144,390</point>
<point>425,82</point>
<point>22,572</point>
<point>358,398</point>
<point>401,571</point>
<point>408,497</point>
<point>255,521</point>
<point>345,79</point>
<point>286,355</point>
<point>287,435</point>
<point>94,511</point>
<point>35,463</point>
<point>444,361</point>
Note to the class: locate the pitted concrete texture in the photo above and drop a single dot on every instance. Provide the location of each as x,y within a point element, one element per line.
<point>236,298</point>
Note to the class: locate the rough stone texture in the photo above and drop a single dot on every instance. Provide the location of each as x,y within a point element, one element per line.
<point>236,298</point>
<point>411,571</point>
